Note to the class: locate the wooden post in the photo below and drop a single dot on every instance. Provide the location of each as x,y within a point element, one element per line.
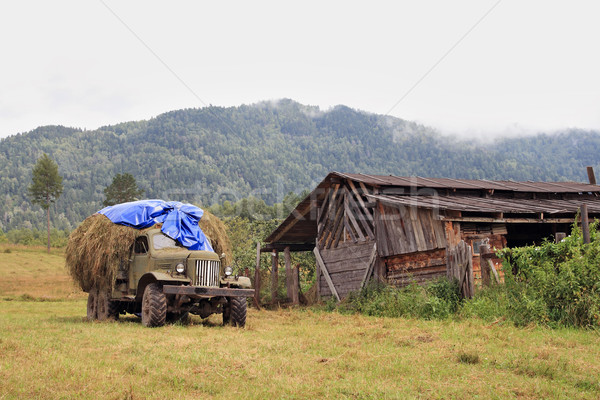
<point>296,285</point>
<point>591,175</point>
<point>318,273</point>
<point>288,272</point>
<point>469,273</point>
<point>274,276</point>
<point>585,223</point>
<point>326,273</point>
<point>559,237</point>
<point>257,278</point>
<point>485,267</point>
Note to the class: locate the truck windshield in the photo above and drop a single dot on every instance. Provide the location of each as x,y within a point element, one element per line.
<point>161,241</point>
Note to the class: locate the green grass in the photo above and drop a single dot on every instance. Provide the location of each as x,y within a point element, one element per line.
<point>49,351</point>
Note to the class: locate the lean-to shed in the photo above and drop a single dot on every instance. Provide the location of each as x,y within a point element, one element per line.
<point>403,229</point>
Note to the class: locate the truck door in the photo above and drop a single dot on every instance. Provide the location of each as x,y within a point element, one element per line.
<point>139,265</point>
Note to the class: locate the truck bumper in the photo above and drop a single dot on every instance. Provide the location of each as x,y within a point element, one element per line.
<point>199,291</point>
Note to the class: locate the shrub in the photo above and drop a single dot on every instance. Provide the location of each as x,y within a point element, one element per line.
<point>555,283</point>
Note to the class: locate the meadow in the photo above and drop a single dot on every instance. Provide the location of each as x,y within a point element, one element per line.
<point>49,351</point>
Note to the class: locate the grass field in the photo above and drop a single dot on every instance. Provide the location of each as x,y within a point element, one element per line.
<point>48,350</point>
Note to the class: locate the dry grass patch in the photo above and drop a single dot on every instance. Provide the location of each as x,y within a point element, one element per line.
<point>48,350</point>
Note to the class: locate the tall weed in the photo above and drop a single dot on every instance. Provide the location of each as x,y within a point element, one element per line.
<point>438,300</point>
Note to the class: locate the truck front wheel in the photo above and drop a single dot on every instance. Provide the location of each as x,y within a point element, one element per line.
<point>154,306</point>
<point>234,313</point>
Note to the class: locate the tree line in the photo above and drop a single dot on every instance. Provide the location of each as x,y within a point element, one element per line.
<point>213,155</point>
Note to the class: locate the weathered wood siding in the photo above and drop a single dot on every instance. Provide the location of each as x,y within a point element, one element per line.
<point>416,267</point>
<point>346,265</point>
<point>402,230</point>
<point>494,234</point>
<point>344,217</point>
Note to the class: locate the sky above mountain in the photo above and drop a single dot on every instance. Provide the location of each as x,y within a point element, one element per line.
<point>480,68</point>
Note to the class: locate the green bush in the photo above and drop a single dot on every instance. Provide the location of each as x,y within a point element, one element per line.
<point>557,284</point>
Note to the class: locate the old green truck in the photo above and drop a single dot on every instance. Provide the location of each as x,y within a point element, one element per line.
<point>163,281</point>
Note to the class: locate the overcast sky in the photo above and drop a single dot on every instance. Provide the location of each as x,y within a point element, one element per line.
<point>470,67</point>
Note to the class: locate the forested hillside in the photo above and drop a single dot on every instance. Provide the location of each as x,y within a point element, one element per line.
<point>208,155</point>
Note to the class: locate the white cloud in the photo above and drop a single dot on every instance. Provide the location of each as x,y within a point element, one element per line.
<point>527,66</point>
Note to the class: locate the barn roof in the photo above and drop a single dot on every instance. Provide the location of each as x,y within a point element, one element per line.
<point>534,200</point>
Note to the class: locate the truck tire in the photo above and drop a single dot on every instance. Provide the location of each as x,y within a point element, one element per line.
<point>237,311</point>
<point>114,309</point>
<point>92,304</point>
<point>102,302</point>
<point>154,306</point>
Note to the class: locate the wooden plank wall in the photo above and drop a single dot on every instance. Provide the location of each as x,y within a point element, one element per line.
<point>416,267</point>
<point>402,230</point>
<point>344,216</point>
<point>346,265</point>
<point>494,234</point>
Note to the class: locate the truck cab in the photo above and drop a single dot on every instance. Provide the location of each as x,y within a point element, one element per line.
<point>163,280</point>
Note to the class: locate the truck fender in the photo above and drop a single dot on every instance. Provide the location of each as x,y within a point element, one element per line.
<point>160,277</point>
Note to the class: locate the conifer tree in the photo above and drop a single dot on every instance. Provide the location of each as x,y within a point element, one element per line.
<point>123,189</point>
<point>46,186</point>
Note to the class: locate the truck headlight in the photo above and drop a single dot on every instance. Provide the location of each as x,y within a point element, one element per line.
<point>228,270</point>
<point>180,268</point>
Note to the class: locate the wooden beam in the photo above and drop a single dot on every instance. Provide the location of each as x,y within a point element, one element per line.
<point>585,224</point>
<point>318,272</point>
<point>337,222</point>
<point>257,277</point>
<point>366,224</point>
<point>297,214</point>
<point>268,247</point>
<point>323,268</point>
<point>369,269</point>
<point>288,272</point>
<point>358,196</point>
<point>296,285</point>
<point>274,276</point>
<point>591,175</point>
<point>508,220</point>
<point>485,268</point>
<point>351,218</point>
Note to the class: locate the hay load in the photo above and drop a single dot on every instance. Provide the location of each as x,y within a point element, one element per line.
<point>216,231</point>
<point>98,247</point>
<point>95,250</point>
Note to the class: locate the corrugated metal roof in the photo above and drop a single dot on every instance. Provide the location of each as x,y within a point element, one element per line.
<point>491,205</point>
<point>479,184</point>
<point>301,227</point>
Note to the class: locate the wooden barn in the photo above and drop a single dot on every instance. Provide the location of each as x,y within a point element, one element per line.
<point>405,229</point>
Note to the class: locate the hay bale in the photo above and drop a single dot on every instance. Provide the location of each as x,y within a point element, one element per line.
<point>97,248</point>
<point>216,231</point>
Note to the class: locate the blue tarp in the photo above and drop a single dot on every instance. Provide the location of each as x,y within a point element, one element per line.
<point>180,221</point>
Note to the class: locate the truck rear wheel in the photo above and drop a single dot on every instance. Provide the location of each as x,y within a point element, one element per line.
<point>154,306</point>
<point>234,313</point>
<point>92,304</point>
<point>104,311</point>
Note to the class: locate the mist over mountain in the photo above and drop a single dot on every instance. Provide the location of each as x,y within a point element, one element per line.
<point>209,155</point>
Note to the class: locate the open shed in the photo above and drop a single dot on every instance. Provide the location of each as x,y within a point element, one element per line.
<point>406,229</point>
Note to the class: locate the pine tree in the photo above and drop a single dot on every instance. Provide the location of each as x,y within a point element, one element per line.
<point>46,186</point>
<point>123,188</point>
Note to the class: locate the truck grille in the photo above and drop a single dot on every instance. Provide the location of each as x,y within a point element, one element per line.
<point>207,273</point>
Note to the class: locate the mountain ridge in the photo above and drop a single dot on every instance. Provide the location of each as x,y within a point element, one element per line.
<point>207,155</point>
